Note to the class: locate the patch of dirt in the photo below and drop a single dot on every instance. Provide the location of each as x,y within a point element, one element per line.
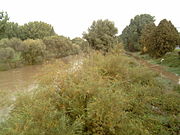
<point>171,76</point>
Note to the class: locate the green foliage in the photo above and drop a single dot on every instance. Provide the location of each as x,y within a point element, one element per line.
<point>101,35</point>
<point>3,43</point>
<point>131,34</point>
<point>10,53</point>
<point>36,30</point>
<point>171,61</point>
<point>164,39</point>
<point>12,30</point>
<point>6,54</point>
<point>34,51</point>
<point>14,43</point>
<point>59,46</point>
<point>108,95</point>
<point>3,21</point>
<point>145,39</point>
<point>84,45</point>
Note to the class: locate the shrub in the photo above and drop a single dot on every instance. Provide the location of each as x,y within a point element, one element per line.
<point>36,30</point>
<point>10,53</point>
<point>3,22</point>
<point>4,43</point>
<point>109,94</point>
<point>34,51</point>
<point>84,45</point>
<point>59,46</point>
<point>6,54</point>
<point>14,43</point>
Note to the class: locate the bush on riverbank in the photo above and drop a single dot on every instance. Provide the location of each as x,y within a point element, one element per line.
<point>10,55</point>
<point>108,95</point>
<point>15,52</point>
<point>34,51</point>
<point>59,46</point>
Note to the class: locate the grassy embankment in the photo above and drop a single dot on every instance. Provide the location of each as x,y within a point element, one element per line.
<point>108,95</point>
<point>171,61</point>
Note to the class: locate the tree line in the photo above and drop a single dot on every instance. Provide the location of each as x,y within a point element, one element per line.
<point>143,35</point>
<point>33,43</point>
<point>37,41</point>
<point>140,35</point>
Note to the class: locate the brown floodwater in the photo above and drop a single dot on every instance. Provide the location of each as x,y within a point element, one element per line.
<point>19,78</point>
<point>25,77</point>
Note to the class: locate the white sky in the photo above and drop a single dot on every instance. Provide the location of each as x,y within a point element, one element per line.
<point>72,17</point>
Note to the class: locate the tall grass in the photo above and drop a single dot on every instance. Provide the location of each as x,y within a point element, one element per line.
<point>108,95</point>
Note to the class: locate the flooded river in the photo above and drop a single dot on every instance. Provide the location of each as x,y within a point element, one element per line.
<point>25,77</point>
<point>20,78</point>
<point>15,80</point>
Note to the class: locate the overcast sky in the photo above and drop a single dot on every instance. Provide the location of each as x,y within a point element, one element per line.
<point>72,17</point>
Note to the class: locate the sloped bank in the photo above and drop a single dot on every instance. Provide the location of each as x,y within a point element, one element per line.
<point>108,95</point>
<point>25,80</point>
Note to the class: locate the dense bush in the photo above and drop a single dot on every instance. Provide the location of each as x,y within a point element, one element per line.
<point>101,35</point>
<point>3,43</point>
<point>59,46</point>
<point>6,54</point>
<point>108,95</point>
<point>12,30</point>
<point>36,30</point>
<point>14,43</point>
<point>10,55</point>
<point>34,51</point>
<point>16,52</point>
<point>3,21</point>
<point>84,45</point>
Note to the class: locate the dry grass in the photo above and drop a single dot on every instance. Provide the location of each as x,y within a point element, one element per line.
<point>108,95</point>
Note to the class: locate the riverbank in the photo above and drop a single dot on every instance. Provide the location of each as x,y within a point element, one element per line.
<point>25,79</point>
<point>110,94</point>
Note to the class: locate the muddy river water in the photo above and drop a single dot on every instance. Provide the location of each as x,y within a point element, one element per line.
<point>19,78</point>
<point>25,77</point>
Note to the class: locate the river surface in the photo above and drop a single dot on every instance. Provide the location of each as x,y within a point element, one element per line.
<point>19,78</point>
<point>25,77</point>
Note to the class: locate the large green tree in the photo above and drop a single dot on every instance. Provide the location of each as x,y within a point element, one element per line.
<point>101,35</point>
<point>131,34</point>
<point>36,30</point>
<point>164,39</point>
<point>12,30</point>
<point>145,39</point>
<point>3,21</point>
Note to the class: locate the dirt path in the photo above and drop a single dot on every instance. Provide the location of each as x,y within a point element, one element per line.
<point>171,76</point>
